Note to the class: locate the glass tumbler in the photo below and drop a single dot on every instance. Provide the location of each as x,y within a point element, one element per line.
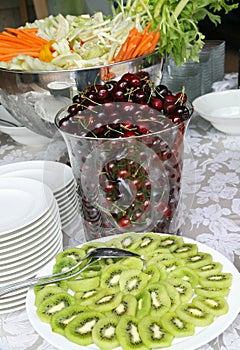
<point>187,75</point>
<point>125,183</point>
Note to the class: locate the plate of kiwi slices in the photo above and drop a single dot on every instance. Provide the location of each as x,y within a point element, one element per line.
<point>178,294</point>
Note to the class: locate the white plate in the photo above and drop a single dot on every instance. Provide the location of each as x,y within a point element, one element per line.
<point>18,236</point>
<point>203,335</point>
<point>20,266</point>
<point>19,307</point>
<point>22,202</point>
<point>54,174</point>
<point>68,199</point>
<point>30,250</point>
<point>53,211</point>
<point>32,273</point>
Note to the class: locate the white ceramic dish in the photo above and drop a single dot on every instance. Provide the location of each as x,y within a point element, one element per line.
<point>20,133</point>
<point>203,335</point>
<point>56,175</point>
<point>18,204</point>
<point>221,109</point>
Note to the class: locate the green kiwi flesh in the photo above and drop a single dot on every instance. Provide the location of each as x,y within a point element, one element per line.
<point>131,302</point>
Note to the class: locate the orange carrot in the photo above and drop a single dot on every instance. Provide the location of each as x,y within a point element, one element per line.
<point>22,41</point>
<point>138,44</point>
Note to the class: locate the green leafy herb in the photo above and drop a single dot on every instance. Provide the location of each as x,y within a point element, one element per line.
<point>178,22</point>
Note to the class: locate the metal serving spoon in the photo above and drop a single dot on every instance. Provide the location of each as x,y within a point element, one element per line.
<point>98,253</point>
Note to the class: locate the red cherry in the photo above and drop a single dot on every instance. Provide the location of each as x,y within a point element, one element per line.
<point>124,221</point>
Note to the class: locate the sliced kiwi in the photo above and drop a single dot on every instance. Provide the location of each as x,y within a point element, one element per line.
<point>170,243</point>
<point>216,306</point>
<point>185,250</point>
<point>146,243</point>
<point>45,293</point>
<point>209,269</point>
<point>160,266</point>
<point>172,264</point>
<point>111,275</point>
<point>61,319</point>
<point>127,306</point>
<point>153,271</point>
<point>74,253</point>
<point>79,330</point>
<point>127,240</point>
<point>183,288</point>
<point>173,295</point>
<point>63,265</point>
<point>104,333</point>
<point>184,273</point>
<point>143,304</point>
<point>133,263</point>
<point>128,334</point>
<point>53,284</point>
<point>153,333</point>
<point>133,281</point>
<point>198,260</point>
<point>194,314</point>
<point>105,300</point>
<point>85,298</point>
<point>211,292</point>
<point>218,280</point>
<point>160,301</point>
<point>54,304</point>
<point>84,284</point>
<point>176,325</point>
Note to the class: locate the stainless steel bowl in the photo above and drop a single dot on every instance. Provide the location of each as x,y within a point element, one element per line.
<point>35,97</point>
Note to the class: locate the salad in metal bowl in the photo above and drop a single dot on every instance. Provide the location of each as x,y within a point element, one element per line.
<point>135,28</point>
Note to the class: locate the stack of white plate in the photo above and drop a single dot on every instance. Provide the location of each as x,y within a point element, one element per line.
<point>57,176</point>
<point>30,234</point>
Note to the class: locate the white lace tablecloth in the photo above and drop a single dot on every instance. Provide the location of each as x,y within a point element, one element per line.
<point>211,216</point>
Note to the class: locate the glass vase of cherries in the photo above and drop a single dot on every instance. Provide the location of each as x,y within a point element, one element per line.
<point>125,142</point>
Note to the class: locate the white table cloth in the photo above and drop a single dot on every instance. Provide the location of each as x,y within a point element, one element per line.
<point>211,202</point>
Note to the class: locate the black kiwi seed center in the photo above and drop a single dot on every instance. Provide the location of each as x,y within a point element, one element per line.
<point>133,334</point>
<point>108,331</point>
<point>156,331</point>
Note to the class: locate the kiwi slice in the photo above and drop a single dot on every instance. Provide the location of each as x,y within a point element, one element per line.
<point>74,253</point>
<point>133,281</point>
<point>194,314</point>
<point>216,306</point>
<point>169,243</point>
<point>84,284</point>
<point>105,300</point>
<point>53,284</point>
<point>209,269</point>
<point>45,293</point>
<point>128,334</point>
<point>184,273</point>
<point>183,288</point>
<point>85,298</point>
<point>79,330</point>
<point>176,325</point>
<point>212,292</point>
<point>146,243</point>
<point>172,264</point>
<point>111,275</point>
<point>198,260</point>
<point>133,263</point>
<point>104,333</point>
<point>185,250</point>
<point>153,271</point>
<point>143,304</point>
<point>54,304</point>
<point>218,280</point>
<point>160,266</point>
<point>153,333</point>
<point>173,295</point>
<point>127,306</point>
<point>60,319</point>
<point>160,301</point>
<point>63,265</point>
<point>127,240</point>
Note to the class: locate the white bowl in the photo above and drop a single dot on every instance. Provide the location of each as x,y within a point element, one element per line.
<point>221,109</point>
<point>20,133</point>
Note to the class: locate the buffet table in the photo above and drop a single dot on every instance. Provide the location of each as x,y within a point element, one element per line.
<point>211,203</point>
